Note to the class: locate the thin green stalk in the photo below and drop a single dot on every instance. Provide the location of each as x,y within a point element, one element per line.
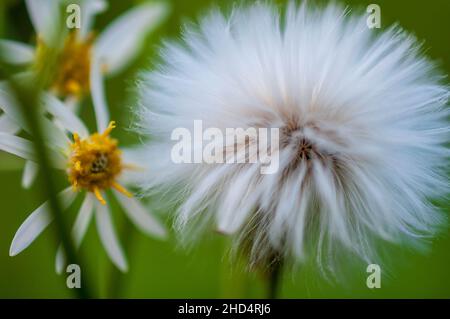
<point>274,279</point>
<point>27,99</point>
<point>235,280</point>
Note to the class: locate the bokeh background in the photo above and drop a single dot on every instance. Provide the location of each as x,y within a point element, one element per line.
<point>165,270</point>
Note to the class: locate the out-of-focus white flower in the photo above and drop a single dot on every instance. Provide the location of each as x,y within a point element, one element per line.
<point>82,58</point>
<point>94,164</point>
<point>362,119</point>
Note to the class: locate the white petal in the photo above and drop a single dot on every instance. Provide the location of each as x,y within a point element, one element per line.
<point>13,52</point>
<point>24,77</point>
<point>98,97</point>
<point>17,146</point>
<point>54,135</point>
<point>44,15</point>
<point>7,125</point>
<point>134,158</point>
<point>60,259</point>
<point>83,219</point>
<point>89,9</point>
<point>10,106</point>
<point>37,222</point>
<point>79,230</point>
<point>73,103</point>
<point>23,148</point>
<point>64,115</point>
<point>120,42</point>
<point>29,174</point>
<point>140,216</point>
<point>108,237</point>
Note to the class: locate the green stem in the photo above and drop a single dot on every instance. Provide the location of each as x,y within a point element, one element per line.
<point>27,99</point>
<point>274,279</point>
<point>234,276</point>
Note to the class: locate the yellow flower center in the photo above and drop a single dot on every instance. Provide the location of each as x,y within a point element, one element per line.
<point>95,163</point>
<point>73,65</point>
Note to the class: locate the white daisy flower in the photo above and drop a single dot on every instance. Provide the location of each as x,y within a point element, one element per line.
<point>94,164</point>
<point>83,59</point>
<point>362,118</point>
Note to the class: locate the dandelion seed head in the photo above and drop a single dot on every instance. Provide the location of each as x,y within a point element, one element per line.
<point>363,123</point>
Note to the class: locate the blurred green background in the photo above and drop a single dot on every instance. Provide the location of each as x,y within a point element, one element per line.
<point>164,270</point>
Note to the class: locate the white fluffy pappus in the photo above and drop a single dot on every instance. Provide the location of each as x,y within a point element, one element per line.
<point>363,121</point>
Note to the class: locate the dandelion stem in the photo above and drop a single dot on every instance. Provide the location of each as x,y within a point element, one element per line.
<point>274,278</point>
<point>234,276</point>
